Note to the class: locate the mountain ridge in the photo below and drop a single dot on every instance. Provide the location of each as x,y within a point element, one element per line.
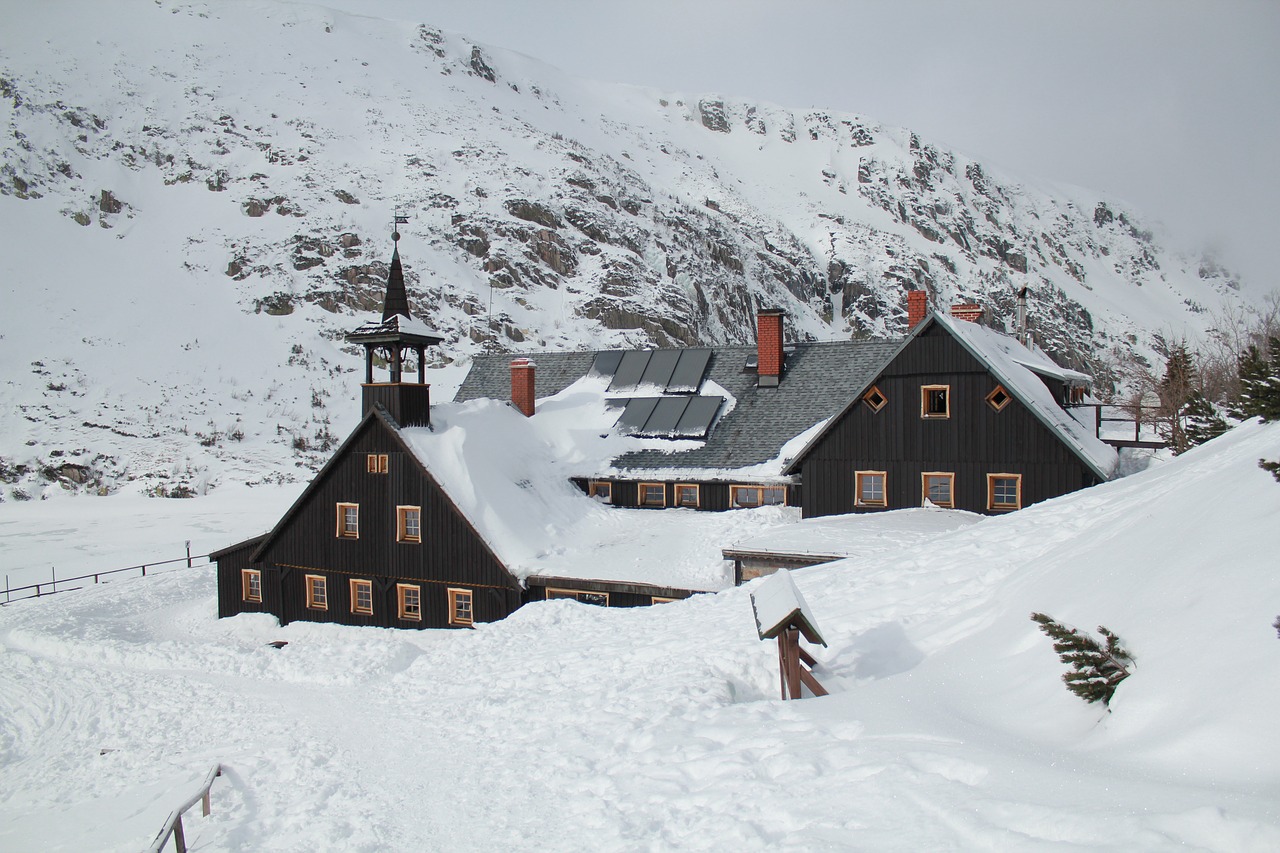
<point>254,151</point>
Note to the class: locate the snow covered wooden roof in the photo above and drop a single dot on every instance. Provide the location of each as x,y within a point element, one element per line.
<point>756,428</point>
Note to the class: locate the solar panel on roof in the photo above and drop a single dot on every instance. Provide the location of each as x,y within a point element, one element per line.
<point>665,416</point>
<point>606,363</point>
<point>689,372</point>
<point>630,370</point>
<point>661,364</point>
<point>698,417</point>
<point>636,414</point>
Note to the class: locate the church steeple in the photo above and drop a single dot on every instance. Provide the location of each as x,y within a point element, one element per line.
<point>396,335</point>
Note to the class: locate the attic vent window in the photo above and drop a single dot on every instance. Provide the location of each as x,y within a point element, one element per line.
<point>999,398</point>
<point>874,399</point>
<point>376,463</point>
<point>935,401</point>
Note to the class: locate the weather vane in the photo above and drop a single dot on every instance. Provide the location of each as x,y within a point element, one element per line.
<point>397,219</point>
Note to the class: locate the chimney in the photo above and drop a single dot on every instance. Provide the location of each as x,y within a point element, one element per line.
<point>917,307</point>
<point>769,347</point>
<point>522,395</point>
<point>972,313</point>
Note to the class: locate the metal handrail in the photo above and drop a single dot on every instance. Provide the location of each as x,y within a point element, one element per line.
<point>173,826</point>
<point>39,591</point>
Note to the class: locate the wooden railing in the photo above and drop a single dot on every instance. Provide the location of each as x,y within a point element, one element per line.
<point>51,586</point>
<point>173,826</point>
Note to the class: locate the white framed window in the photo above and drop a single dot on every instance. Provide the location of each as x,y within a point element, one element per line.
<point>251,584</point>
<point>935,401</point>
<point>362,597</point>
<point>409,601</point>
<point>348,521</point>
<point>869,488</point>
<point>317,592</point>
<point>408,524</point>
<point>1004,492</point>
<point>460,607</point>
<point>937,488</point>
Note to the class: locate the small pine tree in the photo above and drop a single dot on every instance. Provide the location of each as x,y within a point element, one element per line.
<point>1276,625</point>
<point>1203,420</point>
<point>1272,466</point>
<point>1259,383</point>
<point>1096,669</point>
<point>1175,390</point>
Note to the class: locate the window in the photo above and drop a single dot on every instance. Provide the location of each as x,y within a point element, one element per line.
<point>600,599</point>
<point>601,490</point>
<point>376,463</point>
<point>317,592</point>
<point>999,398</point>
<point>935,487</point>
<point>251,584</point>
<point>362,597</point>
<point>653,494</point>
<point>1004,492</point>
<point>687,495</point>
<point>409,600</point>
<point>348,521</point>
<point>870,486</point>
<point>753,496</point>
<point>460,612</point>
<point>661,599</point>
<point>935,401</point>
<point>408,524</point>
<point>874,399</point>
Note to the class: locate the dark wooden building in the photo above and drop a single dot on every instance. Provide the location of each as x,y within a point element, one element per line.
<point>960,416</point>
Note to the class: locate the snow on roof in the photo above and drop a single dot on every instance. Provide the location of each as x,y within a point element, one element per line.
<point>1019,369</point>
<point>510,475</point>
<point>777,602</point>
<point>855,534</point>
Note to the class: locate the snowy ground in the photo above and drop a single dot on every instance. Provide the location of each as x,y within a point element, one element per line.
<point>569,727</point>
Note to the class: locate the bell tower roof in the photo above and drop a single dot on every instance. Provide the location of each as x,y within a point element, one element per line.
<point>397,299</point>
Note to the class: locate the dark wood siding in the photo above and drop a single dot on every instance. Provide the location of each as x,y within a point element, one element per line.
<point>231,561</point>
<point>976,440</point>
<point>451,553</point>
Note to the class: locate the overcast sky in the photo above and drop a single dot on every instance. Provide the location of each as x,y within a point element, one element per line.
<point>1170,105</point>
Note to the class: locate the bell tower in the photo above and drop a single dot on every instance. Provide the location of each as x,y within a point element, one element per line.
<point>392,338</point>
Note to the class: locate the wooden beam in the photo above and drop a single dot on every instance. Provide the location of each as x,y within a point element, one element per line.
<point>812,683</point>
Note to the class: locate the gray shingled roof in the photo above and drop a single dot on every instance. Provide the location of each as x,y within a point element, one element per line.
<point>817,382</point>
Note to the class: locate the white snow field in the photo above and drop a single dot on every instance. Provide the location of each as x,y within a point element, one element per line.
<point>572,727</point>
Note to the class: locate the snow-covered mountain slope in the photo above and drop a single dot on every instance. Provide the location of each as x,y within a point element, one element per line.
<point>570,727</point>
<point>198,198</point>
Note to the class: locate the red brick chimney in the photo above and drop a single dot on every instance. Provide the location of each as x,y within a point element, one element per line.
<point>917,308</point>
<point>522,393</point>
<point>769,346</point>
<point>970,312</point>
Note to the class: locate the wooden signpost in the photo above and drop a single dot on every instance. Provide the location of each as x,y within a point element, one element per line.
<point>781,612</point>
